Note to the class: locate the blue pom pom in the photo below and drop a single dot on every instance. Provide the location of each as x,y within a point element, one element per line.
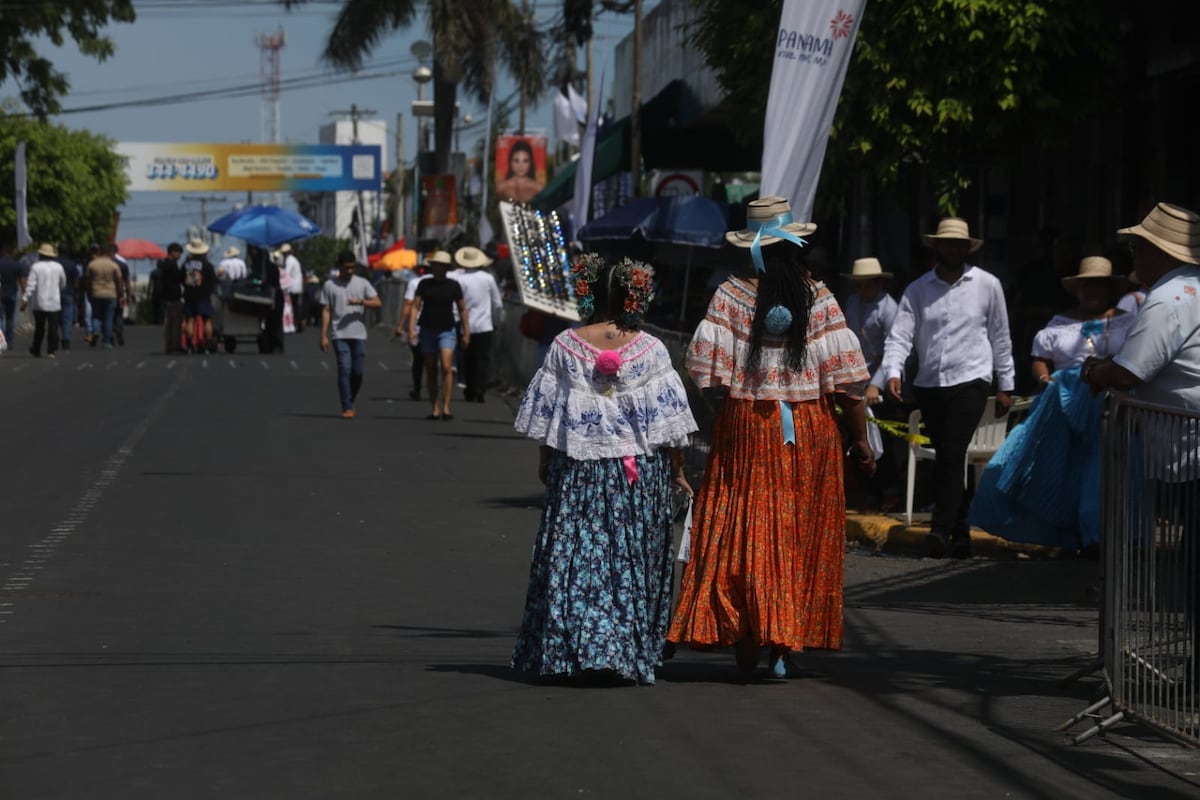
<point>778,320</point>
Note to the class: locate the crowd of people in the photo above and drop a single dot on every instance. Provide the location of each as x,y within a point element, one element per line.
<point>64,293</point>
<point>794,377</point>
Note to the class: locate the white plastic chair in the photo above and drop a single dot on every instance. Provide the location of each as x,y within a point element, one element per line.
<point>989,435</point>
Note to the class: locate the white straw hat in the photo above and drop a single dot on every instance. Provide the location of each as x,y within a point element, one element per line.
<point>866,269</point>
<point>1174,230</point>
<point>954,228</point>
<point>759,215</point>
<point>471,258</point>
<point>197,247</point>
<point>1094,268</point>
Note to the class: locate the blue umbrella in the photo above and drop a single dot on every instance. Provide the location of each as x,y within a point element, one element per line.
<point>693,221</point>
<point>265,226</point>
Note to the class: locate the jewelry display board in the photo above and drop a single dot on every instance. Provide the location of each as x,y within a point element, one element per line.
<point>539,257</point>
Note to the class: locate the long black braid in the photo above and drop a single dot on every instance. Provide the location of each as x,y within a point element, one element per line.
<point>784,283</point>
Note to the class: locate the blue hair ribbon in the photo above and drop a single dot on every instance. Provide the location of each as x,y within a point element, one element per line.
<point>771,227</point>
<point>789,425</point>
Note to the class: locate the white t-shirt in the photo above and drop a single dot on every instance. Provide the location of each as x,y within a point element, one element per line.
<point>234,269</point>
<point>482,298</point>
<point>291,277</point>
<point>1064,343</point>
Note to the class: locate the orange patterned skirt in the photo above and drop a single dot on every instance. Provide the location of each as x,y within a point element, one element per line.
<point>768,532</point>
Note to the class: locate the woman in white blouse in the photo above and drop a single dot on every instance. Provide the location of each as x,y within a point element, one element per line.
<point>610,413</point>
<point>1042,486</point>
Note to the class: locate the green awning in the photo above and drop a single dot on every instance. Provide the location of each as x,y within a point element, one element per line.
<point>612,156</point>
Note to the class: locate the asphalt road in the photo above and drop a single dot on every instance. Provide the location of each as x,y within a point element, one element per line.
<point>213,586</point>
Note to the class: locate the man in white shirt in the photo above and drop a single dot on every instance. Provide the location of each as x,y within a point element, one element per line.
<point>292,281</point>
<point>485,307</point>
<point>232,267</point>
<point>44,286</point>
<point>955,317</point>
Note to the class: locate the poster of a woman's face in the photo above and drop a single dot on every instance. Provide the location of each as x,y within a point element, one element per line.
<point>520,167</point>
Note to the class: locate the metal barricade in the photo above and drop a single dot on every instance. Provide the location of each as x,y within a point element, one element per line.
<point>1150,535</point>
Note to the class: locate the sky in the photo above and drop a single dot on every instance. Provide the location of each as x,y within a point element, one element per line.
<point>187,46</point>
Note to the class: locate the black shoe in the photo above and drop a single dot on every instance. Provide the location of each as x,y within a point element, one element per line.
<point>960,547</point>
<point>414,395</point>
<point>121,339</point>
<point>935,544</point>
<point>66,344</point>
<point>93,341</point>
<point>33,352</point>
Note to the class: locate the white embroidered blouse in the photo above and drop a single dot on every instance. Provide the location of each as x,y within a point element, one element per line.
<point>575,406</point>
<point>1067,342</point>
<point>719,353</point>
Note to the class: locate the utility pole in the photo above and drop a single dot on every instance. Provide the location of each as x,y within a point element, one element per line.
<point>635,127</point>
<point>204,201</point>
<point>398,219</point>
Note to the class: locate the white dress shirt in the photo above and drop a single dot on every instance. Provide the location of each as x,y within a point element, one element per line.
<point>482,297</point>
<point>960,331</point>
<point>45,284</point>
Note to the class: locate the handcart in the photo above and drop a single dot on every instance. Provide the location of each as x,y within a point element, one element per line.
<point>245,309</point>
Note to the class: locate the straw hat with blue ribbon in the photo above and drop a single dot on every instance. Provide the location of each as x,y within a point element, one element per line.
<point>769,220</point>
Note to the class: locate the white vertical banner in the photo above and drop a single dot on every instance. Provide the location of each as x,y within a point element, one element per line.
<point>587,155</point>
<point>812,49</point>
<point>23,237</point>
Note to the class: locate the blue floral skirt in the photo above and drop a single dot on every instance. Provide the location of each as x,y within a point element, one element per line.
<point>600,582</point>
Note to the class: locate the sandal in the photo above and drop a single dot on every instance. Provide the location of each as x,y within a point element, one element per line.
<point>433,416</point>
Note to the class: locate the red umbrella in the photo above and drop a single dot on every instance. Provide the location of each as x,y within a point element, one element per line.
<point>140,248</point>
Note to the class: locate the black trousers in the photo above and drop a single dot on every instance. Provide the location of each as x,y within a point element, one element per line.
<point>41,321</point>
<point>477,360</point>
<point>951,414</point>
<point>298,312</point>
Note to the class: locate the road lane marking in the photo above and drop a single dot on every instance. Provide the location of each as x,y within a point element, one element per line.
<point>294,365</point>
<point>232,364</point>
<point>140,364</point>
<point>265,365</point>
<point>324,365</point>
<point>171,364</point>
<point>43,550</point>
<point>84,365</point>
<point>385,366</point>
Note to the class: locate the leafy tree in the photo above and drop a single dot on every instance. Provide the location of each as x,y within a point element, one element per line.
<point>469,37</point>
<point>22,24</point>
<point>944,83</point>
<point>75,183</point>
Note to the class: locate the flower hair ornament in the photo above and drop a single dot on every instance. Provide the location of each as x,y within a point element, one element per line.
<point>637,278</point>
<point>585,270</point>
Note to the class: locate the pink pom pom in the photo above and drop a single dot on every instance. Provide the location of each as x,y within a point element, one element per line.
<point>608,362</point>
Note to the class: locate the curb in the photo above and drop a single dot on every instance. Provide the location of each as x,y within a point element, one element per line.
<point>887,534</point>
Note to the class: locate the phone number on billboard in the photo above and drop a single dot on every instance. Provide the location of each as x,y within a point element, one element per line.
<point>186,170</point>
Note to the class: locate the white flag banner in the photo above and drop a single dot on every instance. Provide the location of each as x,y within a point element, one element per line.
<point>23,237</point>
<point>566,129</point>
<point>587,155</point>
<point>812,50</point>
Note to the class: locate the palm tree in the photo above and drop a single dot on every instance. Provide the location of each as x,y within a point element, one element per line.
<point>469,36</point>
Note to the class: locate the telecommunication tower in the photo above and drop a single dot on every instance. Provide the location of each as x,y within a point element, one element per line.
<point>269,45</point>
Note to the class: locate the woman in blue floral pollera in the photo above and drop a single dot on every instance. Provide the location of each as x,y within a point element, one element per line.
<point>610,413</point>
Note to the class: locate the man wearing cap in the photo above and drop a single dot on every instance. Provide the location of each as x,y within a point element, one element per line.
<point>955,317</point>
<point>291,278</point>
<point>484,307</point>
<point>44,287</point>
<point>344,301</point>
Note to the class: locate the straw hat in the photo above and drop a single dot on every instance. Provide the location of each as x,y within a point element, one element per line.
<point>1095,268</point>
<point>1174,230</point>
<point>232,252</point>
<point>954,228</point>
<point>759,213</point>
<point>47,250</point>
<point>197,247</point>
<point>439,257</point>
<point>285,248</point>
<point>866,269</point>
<point>471,258</point>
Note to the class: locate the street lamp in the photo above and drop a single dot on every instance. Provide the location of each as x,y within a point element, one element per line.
<point>421,108</point>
